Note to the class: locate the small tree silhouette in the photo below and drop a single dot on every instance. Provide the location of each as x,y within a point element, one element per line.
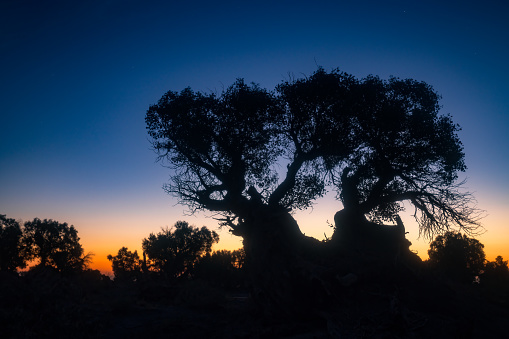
<point>223,268</point>
<point>125,265</point>
<point>457,256</point>
<point>498,267</point>
<point>495,280</point>
<point>173,252</point>
<point>11,250</point>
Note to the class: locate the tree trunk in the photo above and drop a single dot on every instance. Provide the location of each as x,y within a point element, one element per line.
<point>296,276</point>
<point>278,261</point>
<point>353,232</point>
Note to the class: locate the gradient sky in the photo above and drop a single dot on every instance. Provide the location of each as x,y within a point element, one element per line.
<point>78,76</point>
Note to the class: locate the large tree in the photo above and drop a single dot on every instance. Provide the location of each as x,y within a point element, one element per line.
<point>255,156</point>
<point>405,151</point>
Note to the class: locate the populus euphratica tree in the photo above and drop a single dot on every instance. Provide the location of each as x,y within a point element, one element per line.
<point>254,156</point>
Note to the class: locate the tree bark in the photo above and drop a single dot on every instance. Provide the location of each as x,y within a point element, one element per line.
<point>296,276</point>
<point>278,261</point>
<point>354,233</point>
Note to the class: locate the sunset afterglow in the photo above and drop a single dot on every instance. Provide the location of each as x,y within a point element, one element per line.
<point>79,77</point>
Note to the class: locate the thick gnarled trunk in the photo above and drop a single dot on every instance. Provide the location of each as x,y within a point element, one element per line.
<point>293,275</point>
<point>277,259</point>
<point>353,232</point>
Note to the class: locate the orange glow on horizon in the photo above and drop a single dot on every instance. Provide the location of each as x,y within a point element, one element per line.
<point>228,242</point>
<point>101,247</point>
<point>107,237</point>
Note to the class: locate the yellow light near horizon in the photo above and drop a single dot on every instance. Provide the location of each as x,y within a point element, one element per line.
<point>102,241</point>
<point>107,237</point>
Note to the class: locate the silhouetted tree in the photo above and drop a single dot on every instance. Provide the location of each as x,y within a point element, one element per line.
<point>54,244</point>
<point>173,252</point>
<point>498,267</point>
<point>231,259</point>
<point>254,156</point>
<point>126,265</point>
<point>457,256</point>
<point>497,273</point>
<point>223,267</point>
<point>495,280</point>
<point>11,251</point>
<point>404,151</point>
<point>384,139</point>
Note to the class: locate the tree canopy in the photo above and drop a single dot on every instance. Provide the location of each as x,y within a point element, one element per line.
<point>173,252</point>
<point>12,255</point>
<point>126,264</point>
<point>55,244</point>
<point>377,142</point>
<point>457,256</point>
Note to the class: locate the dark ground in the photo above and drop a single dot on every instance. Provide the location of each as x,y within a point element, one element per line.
<point>43,304</point>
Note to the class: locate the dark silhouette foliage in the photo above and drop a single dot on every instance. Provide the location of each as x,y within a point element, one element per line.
<point>498,269</point>
<point>404,151</point>
<point>223,268</point>
<point>231,259</point>
<point>174,252</point>
<point>12,254</point>
<point>44,303</point>
<point>126,265</point>
<point>378,142</point>
<point>262,154</point>
<point>495,281</point>
<point>457,256</point>
<point>54,244</point>
<point>213,301</point>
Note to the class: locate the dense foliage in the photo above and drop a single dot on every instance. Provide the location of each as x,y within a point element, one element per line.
<point>174,252</point>
<point>223,268</point>
<point>54,244</point>
<point>378,142</point>
<point>126,265</point>
<point>12,254</point>
<point>457,256</point>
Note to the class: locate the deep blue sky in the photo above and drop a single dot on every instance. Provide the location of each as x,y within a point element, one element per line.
<point>78,77</point>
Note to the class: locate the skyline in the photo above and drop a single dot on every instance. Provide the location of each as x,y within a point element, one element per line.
<point>79,77</point>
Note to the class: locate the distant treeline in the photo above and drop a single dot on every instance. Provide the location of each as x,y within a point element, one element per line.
<point>185,252</point>
<point>182,252</point>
